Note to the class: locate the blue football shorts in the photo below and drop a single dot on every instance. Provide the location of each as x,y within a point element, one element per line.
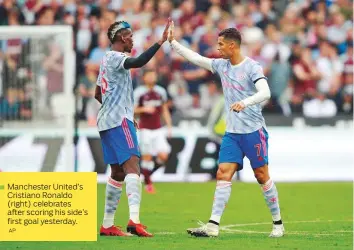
<point>119,144</point>
<point>234,147</point>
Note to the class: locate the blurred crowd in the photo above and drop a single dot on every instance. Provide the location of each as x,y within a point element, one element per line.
<point>305,47</point>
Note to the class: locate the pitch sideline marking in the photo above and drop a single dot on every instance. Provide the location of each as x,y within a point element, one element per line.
<point>227,229</point>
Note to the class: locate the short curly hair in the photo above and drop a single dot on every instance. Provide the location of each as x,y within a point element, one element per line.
<point>232,34</point>
<point>112,32</point>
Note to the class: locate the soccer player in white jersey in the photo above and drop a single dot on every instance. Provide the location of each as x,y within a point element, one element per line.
<point>116,126</point>
<point>151,104</point>
<point>245,87</point>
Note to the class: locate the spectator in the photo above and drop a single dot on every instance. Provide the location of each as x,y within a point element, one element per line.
<point>291,23</point>
<point>87,85</point>
<point>275,45</point>
<point>210,94</point>
<point>347,88</point>
<point>97,53</point>
<point>337,32</point>
<point>279,80</point>
<point>8,8</point>
<point>331,69</point>
<point>306,77</point>
<point>14,106</point>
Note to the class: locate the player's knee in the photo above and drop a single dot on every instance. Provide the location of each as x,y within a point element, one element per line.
<point>119,176</point>
<point>223,175</point>
<point>117,172</point>
<point>261,176</point>
<point>226,171</point>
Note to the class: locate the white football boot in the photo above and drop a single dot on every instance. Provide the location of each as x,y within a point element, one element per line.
<point>205,230</point>
<point>278,231</point>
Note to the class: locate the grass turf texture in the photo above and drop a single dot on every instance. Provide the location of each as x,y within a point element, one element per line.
<point>316,216</point>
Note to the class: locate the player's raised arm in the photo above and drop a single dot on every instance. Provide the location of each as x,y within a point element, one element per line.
<point>188,54</point>
<point>146,56</point>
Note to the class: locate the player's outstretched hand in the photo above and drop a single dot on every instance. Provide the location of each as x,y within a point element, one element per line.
<point>171,32</point>
<point>165,32</point>
<point>237,106</point>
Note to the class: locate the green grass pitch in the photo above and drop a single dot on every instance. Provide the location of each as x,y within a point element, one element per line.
<point>316,216</point>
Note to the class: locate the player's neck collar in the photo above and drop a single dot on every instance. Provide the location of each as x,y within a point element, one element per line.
<point>239,64</point>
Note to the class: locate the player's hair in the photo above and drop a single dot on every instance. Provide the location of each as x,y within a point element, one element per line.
<point>232,34</point>
<point>113,32</point>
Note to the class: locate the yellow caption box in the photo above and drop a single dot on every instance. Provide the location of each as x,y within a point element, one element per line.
<point>48,206</point>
